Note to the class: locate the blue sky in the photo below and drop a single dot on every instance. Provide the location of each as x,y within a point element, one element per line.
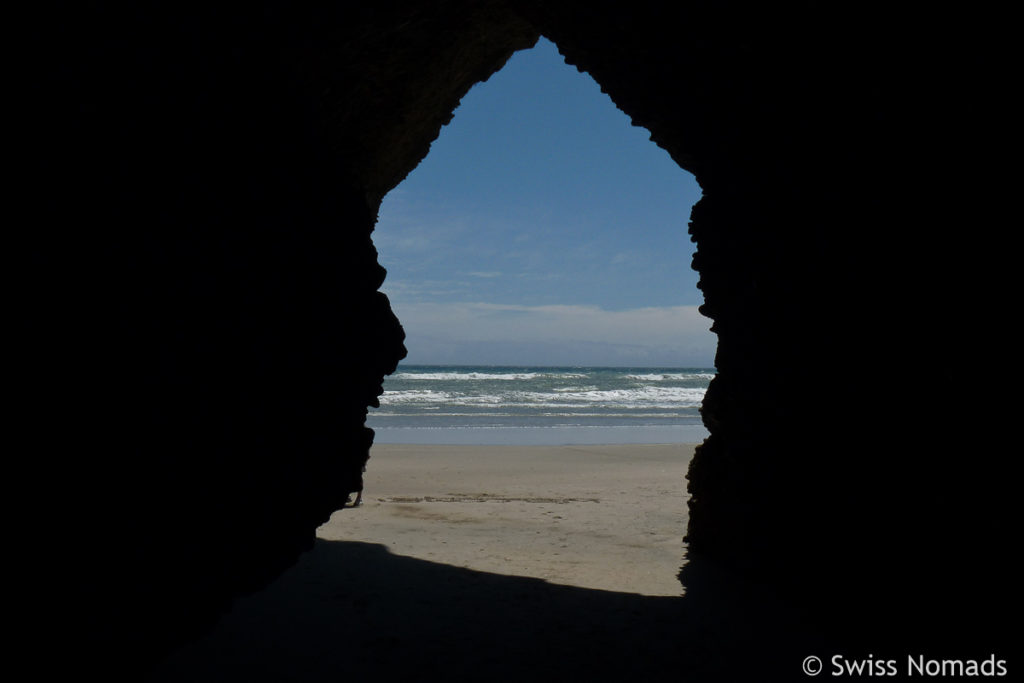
<point>544,229</point>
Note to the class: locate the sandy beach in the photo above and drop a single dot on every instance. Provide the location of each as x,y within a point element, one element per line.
<point>604,517</point>
<point>474,561</point>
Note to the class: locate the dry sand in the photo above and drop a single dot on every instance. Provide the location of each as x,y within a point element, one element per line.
<point>478,563</point>
<point>605,517</point>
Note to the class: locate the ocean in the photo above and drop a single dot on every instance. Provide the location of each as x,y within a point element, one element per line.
<point>486,405</point>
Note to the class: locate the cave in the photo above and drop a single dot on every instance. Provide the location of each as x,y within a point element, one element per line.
<point>201,186</point>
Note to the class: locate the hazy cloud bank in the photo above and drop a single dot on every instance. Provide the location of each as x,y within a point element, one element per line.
<point>497,334</point>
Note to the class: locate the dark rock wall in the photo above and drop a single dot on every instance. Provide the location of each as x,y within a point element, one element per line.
<point>212,279</point>
<point>201,274</point>
<point>842,155</point>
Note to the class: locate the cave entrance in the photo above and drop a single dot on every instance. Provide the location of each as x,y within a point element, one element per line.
<point>543,421</point>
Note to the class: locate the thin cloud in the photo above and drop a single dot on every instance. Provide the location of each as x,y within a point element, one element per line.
<point>555,334</point>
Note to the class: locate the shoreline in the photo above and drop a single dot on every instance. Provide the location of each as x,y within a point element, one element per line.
<point>554,435</point>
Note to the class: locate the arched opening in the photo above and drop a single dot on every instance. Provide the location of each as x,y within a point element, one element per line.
<point>202,251</point>
<point>538,261</point>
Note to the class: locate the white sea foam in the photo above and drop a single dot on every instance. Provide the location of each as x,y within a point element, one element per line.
<point>477,397</point>
<point>673,376</point>
<point>449,398</point>
<point>504,376</point>
<point>667,397</point>
<point>620,396</point>
<point>416,396</point>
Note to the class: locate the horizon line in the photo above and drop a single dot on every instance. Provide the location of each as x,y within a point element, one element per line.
<point>528,365</point>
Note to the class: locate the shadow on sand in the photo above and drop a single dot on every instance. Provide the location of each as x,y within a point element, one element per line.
<point>353,610</point>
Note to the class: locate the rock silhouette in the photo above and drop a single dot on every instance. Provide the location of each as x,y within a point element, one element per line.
<point>202,183</point>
